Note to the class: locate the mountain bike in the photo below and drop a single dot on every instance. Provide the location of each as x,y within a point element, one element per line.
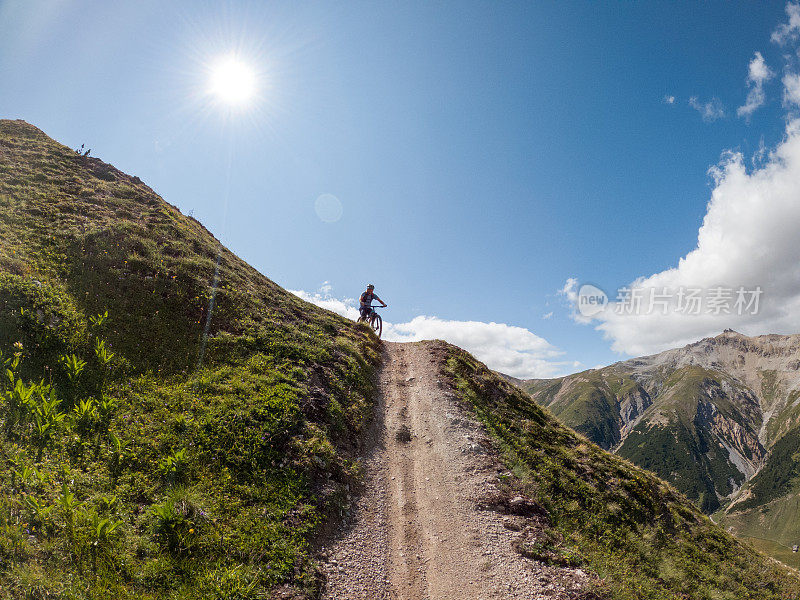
<point>374,320</point>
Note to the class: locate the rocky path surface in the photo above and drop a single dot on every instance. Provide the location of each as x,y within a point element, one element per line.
<point>416,532</point>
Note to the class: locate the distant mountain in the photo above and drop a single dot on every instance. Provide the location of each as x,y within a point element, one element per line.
<point>719,419</point>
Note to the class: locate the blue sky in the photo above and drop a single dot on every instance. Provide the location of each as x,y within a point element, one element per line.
<point>484,153</point>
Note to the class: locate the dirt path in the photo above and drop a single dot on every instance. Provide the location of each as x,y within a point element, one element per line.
<point>416,532</point>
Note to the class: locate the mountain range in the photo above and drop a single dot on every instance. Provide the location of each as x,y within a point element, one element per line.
<point>719,419</point>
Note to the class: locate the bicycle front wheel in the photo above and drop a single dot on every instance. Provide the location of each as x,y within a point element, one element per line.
<point>377,325</point>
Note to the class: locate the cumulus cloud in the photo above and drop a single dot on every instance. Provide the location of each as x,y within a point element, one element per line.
<point>710,111</point>
<point>758,74</point>
<point>791,89</point>
<point>788,32</point>
<point>346,307</point>
<point>511,350</point>
<point>506,348</point>
<point>570,290</point>
<point>749,239</point>
<point>760,154</point>
<point>570,293</point>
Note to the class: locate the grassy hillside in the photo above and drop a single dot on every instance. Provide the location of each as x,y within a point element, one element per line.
<point>767,508</point>
<point>777,519</point>
<point>683,427</point>
<point>591,402</point>
<point>779,476</point>
<point>722,427</point>
<point>641,536</point>
<point>590,408</point>
<point>679,446</point>
<point>128,470</point>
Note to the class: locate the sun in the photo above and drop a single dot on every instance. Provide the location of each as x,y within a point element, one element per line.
<point>232,81</point>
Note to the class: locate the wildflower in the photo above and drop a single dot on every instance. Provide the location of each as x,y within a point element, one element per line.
<point>191,530</point>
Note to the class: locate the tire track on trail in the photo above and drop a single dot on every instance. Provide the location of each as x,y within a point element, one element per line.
<point>415,532</point>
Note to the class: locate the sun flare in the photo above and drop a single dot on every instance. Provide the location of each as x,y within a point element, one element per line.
<point>232,81</point>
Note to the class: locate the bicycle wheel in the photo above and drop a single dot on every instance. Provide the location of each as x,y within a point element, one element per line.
<point>377,325</point>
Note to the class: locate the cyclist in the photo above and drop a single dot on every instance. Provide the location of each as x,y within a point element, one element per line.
<point>366,302</point>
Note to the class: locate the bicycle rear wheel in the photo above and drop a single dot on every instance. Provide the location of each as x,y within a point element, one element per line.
<point>377,324</point>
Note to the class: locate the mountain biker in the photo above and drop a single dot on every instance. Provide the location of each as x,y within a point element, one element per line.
<point>366,302</point>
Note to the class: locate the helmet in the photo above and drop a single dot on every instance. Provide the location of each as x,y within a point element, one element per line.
<point>370,287</point>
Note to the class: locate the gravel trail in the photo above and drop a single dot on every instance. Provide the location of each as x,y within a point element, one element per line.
<point>416,532</point>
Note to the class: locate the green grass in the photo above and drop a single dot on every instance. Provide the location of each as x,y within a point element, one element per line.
<point>586,404</point>
<point>621,384</point>
<point>641,536</point>
<point>590,402</point>
<point>591,410</point>
<point>774,522</point>
<point>770,387</point>
<point>779,551</point>
<point>543,389</point>
<point>159,478</point>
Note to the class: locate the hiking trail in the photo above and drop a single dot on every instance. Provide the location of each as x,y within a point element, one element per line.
<point>416,531</point>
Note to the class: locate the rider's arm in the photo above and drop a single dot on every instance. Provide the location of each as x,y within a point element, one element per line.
<point>379,300</point>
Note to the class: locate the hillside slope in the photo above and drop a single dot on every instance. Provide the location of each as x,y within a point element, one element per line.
<point>637,533</point>
<point>153,448</point>
<point>129,471</point>
<point>707,418</point>
<point>766,510</point>
<point>704,416</point>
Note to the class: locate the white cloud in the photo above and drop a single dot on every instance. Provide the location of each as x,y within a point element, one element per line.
<point>787,32</point>
<point>791,89</point>
<point>758,74</point>
<point>570,293</point>
<point>547,315</point>
<point>750,237</point>
<point>710,111</point>
<point>511,350</point>
<point>570,290</point>
<point>346,308</point>
<point>669,99</point>
<point>760,154</point>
